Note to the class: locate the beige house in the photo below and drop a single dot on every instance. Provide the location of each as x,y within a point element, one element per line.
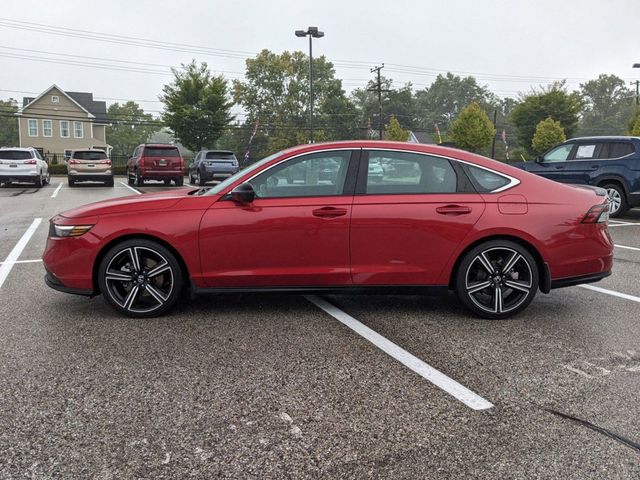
<point>57,122</point>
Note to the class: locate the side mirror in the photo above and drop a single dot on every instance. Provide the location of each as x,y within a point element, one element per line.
<point>243,193</point>
<point>539,159</point>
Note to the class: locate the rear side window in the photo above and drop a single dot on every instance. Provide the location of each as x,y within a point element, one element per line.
<point>90,155</point>
<point>15,155</point>
<point>220,156</point>
<point>486,181</point>
<point>161,152</point>
<point>620,149</point>
<point>409,173</point>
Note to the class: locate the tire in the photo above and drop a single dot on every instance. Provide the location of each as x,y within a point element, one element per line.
<point>484,266</point>
<point>139,181</point>
<point>47,178</point>
<point>39,181</point>
<point>130,178</point>
<point>126,267</point>
<point>167,181</point>
<point>109,183</point>
<point>617,200</point>
<point>71,181</point>
<point>179,181</point>
<point>201,182</point>
<point>192,180</point>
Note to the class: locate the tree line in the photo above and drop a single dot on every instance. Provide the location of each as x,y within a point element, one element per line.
<point>274,96</point>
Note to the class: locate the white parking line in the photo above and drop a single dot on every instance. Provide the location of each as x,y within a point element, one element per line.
<point>628,248</point>
<point>624,224</point>
<point>22,261</point>
<point>55,192</point>
<point>626,296</point>
<point>8,263</point>
<point>131,188</point>
<point>426,371</point>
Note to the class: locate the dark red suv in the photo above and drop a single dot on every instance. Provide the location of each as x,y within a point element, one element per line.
<point>155,161</point>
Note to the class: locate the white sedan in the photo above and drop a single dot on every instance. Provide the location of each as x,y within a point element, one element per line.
<point>23,165</point>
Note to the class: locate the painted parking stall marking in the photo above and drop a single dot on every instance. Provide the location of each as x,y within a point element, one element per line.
<point>131,188</point>
<point>37,260</point>
<point>14,254</point>
<point>626,296</point>
<point>426,371</point>
<point>627,248</point>
<point>55,193</point>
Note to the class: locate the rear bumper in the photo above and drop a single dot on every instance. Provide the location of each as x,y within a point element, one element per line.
<point>53,282</point>
<point>161,174</point>
<point>219,172</point>
<point>91,177</point>
<point>571,281</point>
<point>23,177</point>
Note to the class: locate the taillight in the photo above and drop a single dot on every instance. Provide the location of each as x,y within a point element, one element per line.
<point>107,161</point>
<point>141,163</point>
<point>72,161</point>
<point>30,162</point>
<point>597,214</point>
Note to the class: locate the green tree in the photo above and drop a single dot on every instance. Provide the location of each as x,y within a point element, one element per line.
<point>472,129</point>
<point>8,123</point>
<point>635,130</point>
<point>608,103</point>
<point>553,101</point>
<point>632,121</point>
<point>548,134</point>
<point>196,107</point>
<point>130,127</point>
<point>276,92</point>
<point>445,98</point>
<point>395,131</point>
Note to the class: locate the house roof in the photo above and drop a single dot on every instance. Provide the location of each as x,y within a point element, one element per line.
<point>95,109</point>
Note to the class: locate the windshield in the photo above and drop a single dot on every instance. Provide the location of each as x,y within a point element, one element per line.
<point>15,155</point>
<point>224,184</point>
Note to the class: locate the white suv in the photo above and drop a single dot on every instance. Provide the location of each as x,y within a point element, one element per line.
<point>23,165</point>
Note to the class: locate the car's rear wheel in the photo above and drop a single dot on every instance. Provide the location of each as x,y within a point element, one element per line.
<point>179,181</point>
<point>167,181</point>
<point>130,178</point>
<point>617,201</point>
<point>497,279</point>
<point>200,179</point>
<point>39,181</point>
<point>109,182</point>
<point>139,181</point>
<point>140,278</point>
<point>71,181</point>
<point>47,178</point>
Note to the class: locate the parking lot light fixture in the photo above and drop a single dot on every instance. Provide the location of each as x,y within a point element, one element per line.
<point>311,32</point>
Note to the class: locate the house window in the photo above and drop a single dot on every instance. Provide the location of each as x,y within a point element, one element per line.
<point>77,129</point>
<point>64,128</point>
<point>47,128</point>
<point>33,127</point>
<point>67,154</point>
<point>55,99</point>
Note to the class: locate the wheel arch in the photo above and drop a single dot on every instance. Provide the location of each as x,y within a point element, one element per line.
<point>614,179</point>
<point>544,278</point>
<point>103,251</point>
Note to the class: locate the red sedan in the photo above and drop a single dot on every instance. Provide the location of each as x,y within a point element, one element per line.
<point>360,216</point>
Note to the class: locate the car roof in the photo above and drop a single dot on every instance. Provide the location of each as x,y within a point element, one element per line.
<point>159,145</point>
<point>604,137</point>
<point>217,151</point>
<point>21,149</point>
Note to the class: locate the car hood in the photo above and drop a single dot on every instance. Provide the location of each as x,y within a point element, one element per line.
<point>133,203</point>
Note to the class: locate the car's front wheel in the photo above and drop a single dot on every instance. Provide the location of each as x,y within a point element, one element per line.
<point>140,278</point>
<point>497,279</point>
<point>617,201</point>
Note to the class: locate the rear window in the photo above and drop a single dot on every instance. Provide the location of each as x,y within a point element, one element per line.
<point>161,152</point>
<point>15,155</point>
<point>220,156</point>
<point>620,149</point>
<point>90,155</point>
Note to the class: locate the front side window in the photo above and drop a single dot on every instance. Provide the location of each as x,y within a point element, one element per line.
<point>47,128</point>
<point>77,129</point>
<point>588,151</point>
<point>33,127</point>
<point>409,173</point>
<point>64,128</point>
<point>559,154</point>
<point>313,175</point>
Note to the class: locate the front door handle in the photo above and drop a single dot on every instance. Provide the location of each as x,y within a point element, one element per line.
<point>453,210</point>
<point>595,167</point>
<point>329,212</point>
<point>559,167</point>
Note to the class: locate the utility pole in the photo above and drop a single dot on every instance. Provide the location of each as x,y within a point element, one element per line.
<point>637,82</point>
<point>379,89</point>
<point>493,144</point>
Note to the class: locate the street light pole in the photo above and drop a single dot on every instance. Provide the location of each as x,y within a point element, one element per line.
<point>311,32</point>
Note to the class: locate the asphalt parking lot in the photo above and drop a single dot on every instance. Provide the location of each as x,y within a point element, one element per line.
<point>272,386</point>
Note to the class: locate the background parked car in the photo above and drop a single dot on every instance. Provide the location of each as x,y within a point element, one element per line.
<point>212,164</point>
<point>89,165</point>
<point>23,165</point>
<point>155,161</point>
<point>612,163</point>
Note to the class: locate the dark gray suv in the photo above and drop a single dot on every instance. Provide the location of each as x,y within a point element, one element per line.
<point>212,165</point>
<point>612,163</point>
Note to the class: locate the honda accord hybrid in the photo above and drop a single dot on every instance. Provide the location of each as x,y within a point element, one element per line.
<point>434,219</point>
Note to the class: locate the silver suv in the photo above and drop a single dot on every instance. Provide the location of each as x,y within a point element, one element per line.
<point>212,165</point>
<point>23,165</point>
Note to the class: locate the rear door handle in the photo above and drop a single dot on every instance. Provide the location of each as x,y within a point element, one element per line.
<point>595,167</point>
<point>329,212</point>
<point>453,210</point>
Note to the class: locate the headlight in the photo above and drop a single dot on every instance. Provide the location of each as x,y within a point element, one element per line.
<point>68,230</point>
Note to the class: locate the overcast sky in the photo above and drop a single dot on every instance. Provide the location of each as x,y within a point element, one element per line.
<point>508,45</point>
